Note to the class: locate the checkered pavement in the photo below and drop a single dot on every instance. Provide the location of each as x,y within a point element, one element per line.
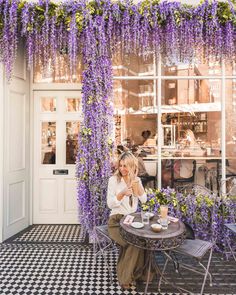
<point>68,268</point>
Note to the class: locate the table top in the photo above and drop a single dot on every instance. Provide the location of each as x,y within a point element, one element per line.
<point>145,238</point>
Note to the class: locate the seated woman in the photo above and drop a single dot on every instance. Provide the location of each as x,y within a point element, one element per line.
<point>122,201</point>
<point>182,168</point>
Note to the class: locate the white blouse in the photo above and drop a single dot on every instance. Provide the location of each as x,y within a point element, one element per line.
<point>123,206</point>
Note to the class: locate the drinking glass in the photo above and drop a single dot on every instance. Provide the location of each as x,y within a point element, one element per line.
<point>164,223</point>
<point>145,217</point>
<point>163,211</point>
<point>163,217</point>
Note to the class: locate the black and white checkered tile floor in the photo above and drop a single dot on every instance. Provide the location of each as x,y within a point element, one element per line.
<point>69,268</point>
<point>51,233</point>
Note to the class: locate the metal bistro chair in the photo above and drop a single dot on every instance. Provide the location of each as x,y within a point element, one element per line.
<point>230,227</point>
<point>103,244</point>
<point>148,178</point>
<point>192,248</point>
<point>179,182</point>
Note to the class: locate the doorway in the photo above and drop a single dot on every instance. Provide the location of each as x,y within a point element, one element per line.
<point>57,117</point>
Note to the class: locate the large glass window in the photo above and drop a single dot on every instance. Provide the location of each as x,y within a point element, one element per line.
<point>135,111</point>
<point>186,110</point>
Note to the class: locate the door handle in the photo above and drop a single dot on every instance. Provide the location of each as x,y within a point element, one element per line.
<point>60,172</point>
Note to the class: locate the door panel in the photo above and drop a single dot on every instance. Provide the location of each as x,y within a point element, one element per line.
<point>16,199</point>
<point>57,122</point>
<point>70,191</point>
<point>48,193</point>
<point>16,150</point>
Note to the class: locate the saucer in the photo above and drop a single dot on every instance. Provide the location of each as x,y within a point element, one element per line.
<point>160,222</point>
<point>150,214</point>
<point>137,224</point>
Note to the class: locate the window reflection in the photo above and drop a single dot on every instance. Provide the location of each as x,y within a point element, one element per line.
<point>133,96</point>
<point>230,68</point>
<point>72,131</point>
<point>181,69</point>
<point>60,73</point>
<point>231,127</point>
<point>48,143</point>
<point>72,104</point>
<point>48,104</point>
<point>132,65</point>
<point>176,92</point>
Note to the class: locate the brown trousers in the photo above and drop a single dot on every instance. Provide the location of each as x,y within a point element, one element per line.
<point>130,265</point>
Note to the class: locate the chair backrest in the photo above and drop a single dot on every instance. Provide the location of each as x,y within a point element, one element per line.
<point>189,232</point>
<point>230,184</point>
<point>189,179</point>
<point>194,168</point>
<point>146,179</point>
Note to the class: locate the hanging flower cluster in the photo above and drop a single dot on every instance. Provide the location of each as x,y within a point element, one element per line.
<point>95,30</point>
<point>93,161</point>
<point>176,31</point>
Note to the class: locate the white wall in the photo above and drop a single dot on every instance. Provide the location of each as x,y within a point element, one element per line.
<point>1,148</point>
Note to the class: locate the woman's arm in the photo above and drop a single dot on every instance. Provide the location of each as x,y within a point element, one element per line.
<point>138,190</point>
<point>113,199</point>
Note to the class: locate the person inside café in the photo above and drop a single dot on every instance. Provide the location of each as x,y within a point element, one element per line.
<point>182,168</point>
<point>124,192</point>
<point>145,135</point>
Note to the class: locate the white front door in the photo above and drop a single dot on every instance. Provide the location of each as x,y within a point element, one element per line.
<point>57,116</point>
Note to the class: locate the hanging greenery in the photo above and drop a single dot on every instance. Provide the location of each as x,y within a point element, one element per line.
<point>95,30</point>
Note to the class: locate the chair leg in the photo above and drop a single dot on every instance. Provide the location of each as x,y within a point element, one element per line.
<point>106,262</point>
<point>231,250</point>
<point>162,274</point>
<point>101,250</point>
<point>206,272</point>
<point>96,249</point>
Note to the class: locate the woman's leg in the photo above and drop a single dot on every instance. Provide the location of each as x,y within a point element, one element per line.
<point>131,259</point>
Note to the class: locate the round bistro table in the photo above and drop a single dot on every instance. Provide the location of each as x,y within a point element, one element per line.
<point>151,241</point>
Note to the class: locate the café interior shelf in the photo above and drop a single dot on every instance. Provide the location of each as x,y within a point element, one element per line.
<point>197,122</point>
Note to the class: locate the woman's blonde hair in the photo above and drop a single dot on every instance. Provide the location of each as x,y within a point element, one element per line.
<point>131,163</point>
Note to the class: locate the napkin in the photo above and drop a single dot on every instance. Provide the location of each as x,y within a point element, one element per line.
<point>173,219</point>
<point>128,219</point>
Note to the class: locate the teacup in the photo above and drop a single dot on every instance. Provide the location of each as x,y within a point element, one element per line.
<point>156,227</point>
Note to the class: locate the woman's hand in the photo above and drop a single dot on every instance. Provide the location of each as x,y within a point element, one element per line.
<point>125,192</point>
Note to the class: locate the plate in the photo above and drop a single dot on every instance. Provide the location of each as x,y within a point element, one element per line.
<point>159,221</point>
<point>150,214</point>
<point>137,224</point>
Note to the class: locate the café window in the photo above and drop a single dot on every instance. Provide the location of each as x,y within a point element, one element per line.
<point>190,122</point>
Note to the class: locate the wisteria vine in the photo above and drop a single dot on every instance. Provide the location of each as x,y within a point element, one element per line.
<point>95,30</point>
